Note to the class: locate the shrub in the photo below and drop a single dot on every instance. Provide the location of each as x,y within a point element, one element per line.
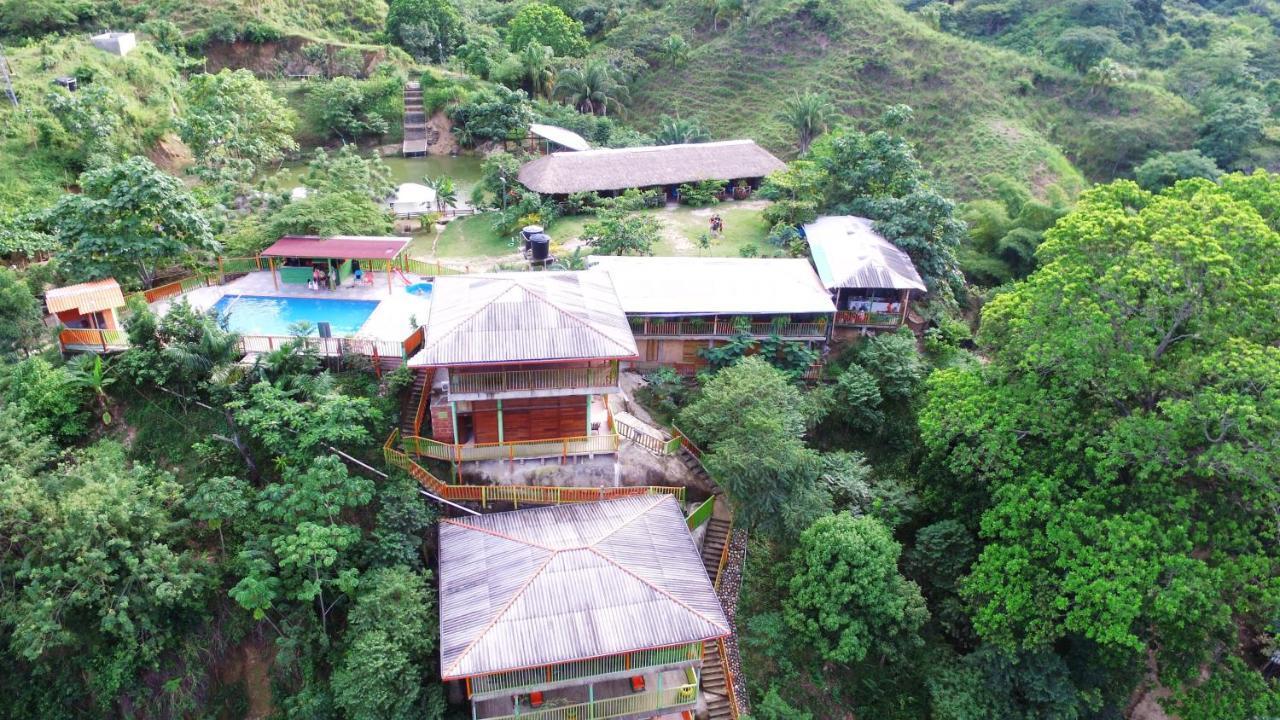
<point>702,193</point>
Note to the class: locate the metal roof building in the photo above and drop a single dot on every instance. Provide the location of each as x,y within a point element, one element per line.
<point>561,173</point>
<point>530,588</point>
<point>85,298</point>
<point>560,136</point>
<point>849,253</point>
<point>524,317</point>
<point>714,286</point>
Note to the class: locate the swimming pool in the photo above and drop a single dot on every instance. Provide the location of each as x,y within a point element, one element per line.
<point>262,315</point>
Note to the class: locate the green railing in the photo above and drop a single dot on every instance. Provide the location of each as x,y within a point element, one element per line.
<point>702,513</point>
<point>867,318</point>
<point>461,383</point>
<point>524,680</point>
<point>650,702</point>
<point>558,447</point>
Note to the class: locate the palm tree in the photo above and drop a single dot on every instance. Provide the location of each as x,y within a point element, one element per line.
<point>445,189</point>
<point>808,114</point>
<point>592,89</point>
<point>675,50</point>
<point>677,130</point>
<point>538,62</point>
<point>90,373</point>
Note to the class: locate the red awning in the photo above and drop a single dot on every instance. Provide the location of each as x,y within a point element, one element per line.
<point>341,247</point>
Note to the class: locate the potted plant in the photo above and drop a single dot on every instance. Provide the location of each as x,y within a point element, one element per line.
<point>741,190</point>
<point>780,321</point>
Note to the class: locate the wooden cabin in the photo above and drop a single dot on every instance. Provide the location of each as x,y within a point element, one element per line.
<point>611,171</point>
<point>870,279</point>
<point>521,364</point>
<point>592,610</point>
<point>679,306</point>
<point>90,315</point>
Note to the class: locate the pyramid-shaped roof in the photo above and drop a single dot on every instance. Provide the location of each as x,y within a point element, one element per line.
<point>530,588</point>
<point>524,317</point>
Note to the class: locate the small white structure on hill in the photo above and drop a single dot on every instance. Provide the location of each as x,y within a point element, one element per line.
<point>116,43</point>
<point>299,193</point>
<point>412,199</point>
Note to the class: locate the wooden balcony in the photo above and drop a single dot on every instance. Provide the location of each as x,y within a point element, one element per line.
<point>611,666</point>
<point>472,385</point>
<point>558,447</point>
<point>721,327</point>
<point>667,692</point>
<point>867,318</point>
<point>89,340</point>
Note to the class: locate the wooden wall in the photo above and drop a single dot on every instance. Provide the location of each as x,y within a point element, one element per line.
<point>531,418</point>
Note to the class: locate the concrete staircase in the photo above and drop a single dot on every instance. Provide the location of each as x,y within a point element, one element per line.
<point>409,403</point>
<point>692,462</point>
<point>713,545</point>
<point>415,122</point>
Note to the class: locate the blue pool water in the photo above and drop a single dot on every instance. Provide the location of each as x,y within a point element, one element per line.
<point>261,315</point>
<point>419,288</point>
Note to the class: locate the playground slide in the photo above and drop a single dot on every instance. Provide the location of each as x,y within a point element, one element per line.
<point>404,278</point>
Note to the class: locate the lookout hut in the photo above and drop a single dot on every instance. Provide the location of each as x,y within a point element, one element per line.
<point>89,313</point>
<point>412,199</point>
<point>613,170</point>
<point>870,278</point>
<point>591,610</point>
<point>296,259</point>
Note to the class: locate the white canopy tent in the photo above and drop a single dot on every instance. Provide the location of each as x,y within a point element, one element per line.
<point>412,199</point>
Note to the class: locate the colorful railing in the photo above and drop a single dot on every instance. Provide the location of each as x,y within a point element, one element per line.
<point>461,383</point>
<point>90,339</point>
<point>515,494</point>
<point>522,680</point>
<point>650,702</point>
<point>730,691</point>
<point>422,267</point>
<point>558,447</point>
<point>328,347</point>
<point>702,513</point>
<point>867,318</point>
<point>647,327</point>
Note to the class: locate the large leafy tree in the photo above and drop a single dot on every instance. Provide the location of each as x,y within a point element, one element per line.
<point>546,25</point>
<point>428,29</point>
<point>21,319</point>
<point>1123,437</point>
<point>130,219</point>
<point>619,232</point>
<point>234,124</point>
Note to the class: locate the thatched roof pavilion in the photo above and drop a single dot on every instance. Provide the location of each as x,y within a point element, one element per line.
<point>605,170</point>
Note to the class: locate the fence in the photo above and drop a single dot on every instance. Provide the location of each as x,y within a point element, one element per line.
<point>867,318</point>
<point>726,328</point>
<point>558,447</point>
<point>422,267</point>
<point>546,379</point>
<point>702,513</point>
<point>327,347</point>
<point>86,338</point>
<point>650,703</point>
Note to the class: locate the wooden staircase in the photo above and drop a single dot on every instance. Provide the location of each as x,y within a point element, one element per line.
<point>714,684</point>
<point>409,404</point>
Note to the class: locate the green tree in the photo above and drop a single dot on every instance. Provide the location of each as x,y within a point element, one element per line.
<point>593,88</point>
<point>809,115</point>
<point>428,29</point>
<point>219,500</point>
<point>1231,130</point>
<point>21,320</point>
<point>346,171</point>
<point>234,125</point>
<point>1164,169</point>
<point>1131,378</point>
<point>1082,47</point>
<point>674,50</point>
<point>619,232</point>
<point>350,109</point>
<point>130,218</point>
<point>677,130</point>
<point>538,62</point>
<point>47,398</point>
<point>846,599</point>
<point>546,25</point>
<point>327,214</point>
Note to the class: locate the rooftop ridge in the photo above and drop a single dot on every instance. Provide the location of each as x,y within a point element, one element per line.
<point>654,148</point>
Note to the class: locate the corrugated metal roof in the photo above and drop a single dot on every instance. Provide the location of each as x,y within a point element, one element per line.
<point>535,587</point>
<point>86,297</point>
<point>560,136</point>
<point>338,247</point>
<point>849,253</point>
<point>620,168</point>
<point>524,317</point>
<point>728,286</point>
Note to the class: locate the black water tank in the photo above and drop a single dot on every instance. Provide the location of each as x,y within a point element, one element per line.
<point>539,247</point>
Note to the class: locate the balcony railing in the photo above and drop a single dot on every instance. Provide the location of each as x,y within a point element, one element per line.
<point>557,447</point>
<point>724,328</point>
<point>650,702</point>
<point>90,339</point>
<point>522,680</point>
<point>500,381</point>
<point>867,318</point>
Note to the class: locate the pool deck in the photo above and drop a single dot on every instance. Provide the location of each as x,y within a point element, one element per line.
<point>391,320</point>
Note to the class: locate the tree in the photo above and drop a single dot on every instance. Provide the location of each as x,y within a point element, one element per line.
<point>619,232</point>
<point>845,598</point>
<point>593,88</point>
<point>445,189</point>
<point>346,171</point>
<point>93,376</point>
<point>21,319</point>
<point>47,398</point>
<point>496,113</point>
<point>1132,377</point>
<point>297,427</point>
<point>677,130</point>
<point>1082,47</point>
<point>1164,169</point>
<point>234,125</point>
<point>674,50</point>
<point>349,108</point>
<point>808,114</point>
<point>538,62</point>
<point>546,25</point>
<point>328,214</point>
<point>1229,131</point>
<point>129,218</point>
<point>428,29</point>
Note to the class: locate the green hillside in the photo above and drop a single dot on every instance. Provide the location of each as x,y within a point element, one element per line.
<point>979,111</point>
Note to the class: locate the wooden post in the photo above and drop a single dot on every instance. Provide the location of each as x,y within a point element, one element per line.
<point>388,277</point>
<point>906,295</point>
<point>271,266</point>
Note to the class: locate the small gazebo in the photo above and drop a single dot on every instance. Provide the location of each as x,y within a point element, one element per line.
<point>89,313</point>
<point>295,259</point>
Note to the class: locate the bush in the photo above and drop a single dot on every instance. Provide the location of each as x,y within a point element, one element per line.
<point>47,398</point>
<point>1163,170</point>
<point>702,193</point>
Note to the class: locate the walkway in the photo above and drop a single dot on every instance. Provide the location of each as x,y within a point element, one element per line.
<point>415,122</point>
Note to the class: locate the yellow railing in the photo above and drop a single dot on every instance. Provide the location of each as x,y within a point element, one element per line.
<point>328,347</point>
<point>558,447</point>
<point>422,267</point>
<point>531,678</point>
<point>516,494</point>
<point>867,318</point>
<point>90,338</point>
<point>650,702</point>
<point>730,691</point>
<point>545,379</point>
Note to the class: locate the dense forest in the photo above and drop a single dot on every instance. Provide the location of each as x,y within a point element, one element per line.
<point>1055,498</point>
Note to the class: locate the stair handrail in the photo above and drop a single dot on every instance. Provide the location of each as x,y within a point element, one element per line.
<point>729,690</point>
<point>685,441</point>
<point>417,415</point>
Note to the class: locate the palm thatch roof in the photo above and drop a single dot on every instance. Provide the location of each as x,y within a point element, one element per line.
<point>561,173</point>
<point>530,588</point>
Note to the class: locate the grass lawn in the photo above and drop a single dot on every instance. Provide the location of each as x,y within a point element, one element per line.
<point>473,238</point>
